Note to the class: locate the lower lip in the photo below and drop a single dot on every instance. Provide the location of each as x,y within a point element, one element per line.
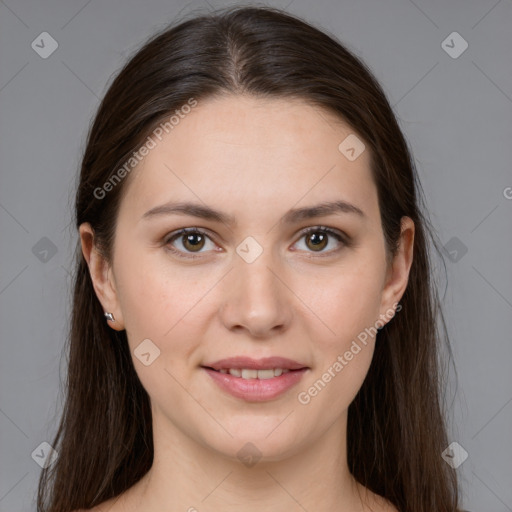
<point>256,390</point>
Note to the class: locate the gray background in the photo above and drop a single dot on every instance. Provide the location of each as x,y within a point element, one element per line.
<point>456,115</point>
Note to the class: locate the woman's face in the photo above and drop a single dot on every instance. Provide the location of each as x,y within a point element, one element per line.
<point>257,287</point>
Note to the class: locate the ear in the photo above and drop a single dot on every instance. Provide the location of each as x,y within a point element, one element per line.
<point>102,276</point>
<point>397,275</point>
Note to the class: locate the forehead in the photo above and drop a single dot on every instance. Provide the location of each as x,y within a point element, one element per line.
<point>243,152</point>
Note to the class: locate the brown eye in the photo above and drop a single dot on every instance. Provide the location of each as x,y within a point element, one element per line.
<point>192,240</point>
<point>318,238</point>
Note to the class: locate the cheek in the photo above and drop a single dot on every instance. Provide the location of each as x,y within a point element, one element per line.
<point>158,305</point>
<point>348,306</point>
<point>166,305</point>
<point>347,303</point>
<point>343,351</point>
<point>332,388</point>
<point>153,294</point>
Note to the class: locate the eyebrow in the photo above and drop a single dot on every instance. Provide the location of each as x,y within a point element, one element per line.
<point>290,217</point>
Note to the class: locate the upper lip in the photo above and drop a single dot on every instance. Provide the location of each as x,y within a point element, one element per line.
<point>242,362</point>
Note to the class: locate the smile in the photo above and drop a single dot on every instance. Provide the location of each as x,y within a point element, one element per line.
<point>248,373</point>
<point>255,385</point>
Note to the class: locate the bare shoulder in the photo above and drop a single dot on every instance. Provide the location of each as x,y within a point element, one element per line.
<point>374,502</point>
<point>383,505</point>
<point>106,506</point>
<point>379,504</point>
<point>389,507</point>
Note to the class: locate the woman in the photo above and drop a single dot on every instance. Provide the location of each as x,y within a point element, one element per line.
<point>254,320</point>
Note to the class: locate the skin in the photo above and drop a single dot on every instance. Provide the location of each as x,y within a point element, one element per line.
<point>254,159</point>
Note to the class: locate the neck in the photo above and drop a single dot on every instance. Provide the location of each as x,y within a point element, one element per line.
<point>189,476</point>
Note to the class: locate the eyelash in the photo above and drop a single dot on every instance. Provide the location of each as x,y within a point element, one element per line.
<point>343,239</point>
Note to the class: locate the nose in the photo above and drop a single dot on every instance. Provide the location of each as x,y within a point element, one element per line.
<point>257,298</point>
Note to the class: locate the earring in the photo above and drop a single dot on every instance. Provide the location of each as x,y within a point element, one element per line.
<point>110,316</point>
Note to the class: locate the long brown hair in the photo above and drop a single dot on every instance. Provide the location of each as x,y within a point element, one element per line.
<point>396,423</point>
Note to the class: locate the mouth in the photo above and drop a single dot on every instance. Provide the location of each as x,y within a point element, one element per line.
<point>256,380</point>
<point>250,373</point>
<point>240,363</point>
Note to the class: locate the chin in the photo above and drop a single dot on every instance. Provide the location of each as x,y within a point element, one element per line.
<point>257,447</point>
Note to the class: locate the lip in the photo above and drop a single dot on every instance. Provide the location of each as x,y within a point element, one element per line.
<point>256,390</point>
<point>241,362</point>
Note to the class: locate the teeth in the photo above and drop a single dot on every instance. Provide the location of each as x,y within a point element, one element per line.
<point>247,373</point>
<point>264,374</point>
